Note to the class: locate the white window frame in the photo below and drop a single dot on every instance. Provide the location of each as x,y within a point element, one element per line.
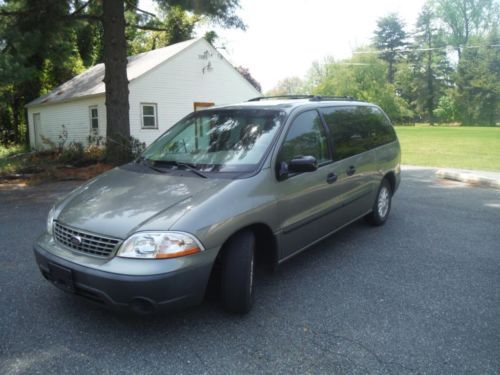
<point>155,115</point>
<point>94,118</point>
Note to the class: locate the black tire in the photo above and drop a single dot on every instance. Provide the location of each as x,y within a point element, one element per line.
<point>379,215</point>
<point>237,273</point>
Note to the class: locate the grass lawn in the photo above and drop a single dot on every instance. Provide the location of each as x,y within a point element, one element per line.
<point>456,147</point>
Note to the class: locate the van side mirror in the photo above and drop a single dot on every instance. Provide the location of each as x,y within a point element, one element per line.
<point>302,164</point>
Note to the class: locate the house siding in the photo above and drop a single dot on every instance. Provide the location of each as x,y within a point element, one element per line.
<point>75,117</point>
<point>173,86</point>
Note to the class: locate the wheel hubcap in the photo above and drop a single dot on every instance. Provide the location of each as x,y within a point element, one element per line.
<point>383,202</point>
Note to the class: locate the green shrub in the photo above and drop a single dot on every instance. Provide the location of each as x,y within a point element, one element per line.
<point>73,154</point>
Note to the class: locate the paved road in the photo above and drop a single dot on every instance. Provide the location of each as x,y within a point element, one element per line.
<point>420,295</point>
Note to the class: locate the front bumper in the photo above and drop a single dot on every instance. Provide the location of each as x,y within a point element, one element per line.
<point>130,284</point>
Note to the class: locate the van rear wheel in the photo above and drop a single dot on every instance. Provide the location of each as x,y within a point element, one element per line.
<point>382,206</point>
<point>237,273</point>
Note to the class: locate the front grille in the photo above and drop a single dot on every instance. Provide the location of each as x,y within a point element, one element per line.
<point>85,242</point>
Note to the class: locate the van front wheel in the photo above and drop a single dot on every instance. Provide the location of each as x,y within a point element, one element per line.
<point>237,273</point>
<point>382,205</point>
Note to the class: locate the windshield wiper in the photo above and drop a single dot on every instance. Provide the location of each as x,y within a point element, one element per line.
<point>189,167</point>
<point>151,164</point>
<point>178,164</point>
<point>148,164</point>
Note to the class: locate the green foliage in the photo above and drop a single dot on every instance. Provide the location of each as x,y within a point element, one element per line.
<point>446,110</point>
<point>123,150</point>
<point>73,154</point>
<point>429,65</point>
<point>363,77</point>
<point>171,26</point>
<point>390,38</point>
<point>9,150</point>
<point>418,80</point>
<point>478,83</point>
<point>466,19</point>
<point>288,86</point>
<point>43,43</point>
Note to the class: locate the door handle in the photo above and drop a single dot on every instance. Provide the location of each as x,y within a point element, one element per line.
<point>351,170</point>
<point>331,177</point>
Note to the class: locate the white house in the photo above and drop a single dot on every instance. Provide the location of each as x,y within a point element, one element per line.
<point>164,84</point>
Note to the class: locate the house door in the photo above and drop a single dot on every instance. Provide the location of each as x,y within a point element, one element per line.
<point>37,128</point>
<point>201,105</point>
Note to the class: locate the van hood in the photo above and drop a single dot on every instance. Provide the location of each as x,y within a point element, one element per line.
<point>122,200</point>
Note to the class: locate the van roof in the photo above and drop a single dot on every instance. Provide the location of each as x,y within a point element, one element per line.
<point>290,102</point>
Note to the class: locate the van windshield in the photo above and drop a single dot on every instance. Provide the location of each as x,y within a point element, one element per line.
<point>225,140</point>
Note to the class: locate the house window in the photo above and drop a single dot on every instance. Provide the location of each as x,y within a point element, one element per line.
<point>149,116</point>
<point>94,117</point>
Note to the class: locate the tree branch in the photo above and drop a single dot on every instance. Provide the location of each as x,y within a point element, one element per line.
<point>79,9</point>
<point>89,17</point>
<point>149,28</point>
<point>13,14</point>
<point>140,10</point>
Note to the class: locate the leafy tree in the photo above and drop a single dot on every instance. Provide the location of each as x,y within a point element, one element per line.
<point>288,86</point>
<point>33,37</point>
<point>446,110</point>
<point>363,77</point>
<point>465,19</point>
<point>478,82</point>
<point>40,27</point>
<point>168,27</point>
<point>430,62</point>
<point>390,39</point>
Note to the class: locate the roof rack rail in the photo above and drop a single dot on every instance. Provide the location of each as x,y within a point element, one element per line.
<point>281,97</point>
<point>312,98</point>
<point>319,98</point>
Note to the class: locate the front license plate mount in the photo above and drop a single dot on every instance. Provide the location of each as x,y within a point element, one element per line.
<point>62,277</point>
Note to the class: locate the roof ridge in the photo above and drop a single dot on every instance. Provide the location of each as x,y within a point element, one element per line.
<point>90,82</point>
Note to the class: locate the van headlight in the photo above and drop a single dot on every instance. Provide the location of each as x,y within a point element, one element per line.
<point>159,245</point>
<point>50,221</point>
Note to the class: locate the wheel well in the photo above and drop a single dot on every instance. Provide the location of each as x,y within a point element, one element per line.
<point>391,177</point>
<point>266,247</point>
<point>266,253</point>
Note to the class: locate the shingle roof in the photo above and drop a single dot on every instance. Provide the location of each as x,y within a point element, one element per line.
<point>91,82</point>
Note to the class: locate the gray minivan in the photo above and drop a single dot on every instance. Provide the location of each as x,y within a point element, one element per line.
<point>221,189</point>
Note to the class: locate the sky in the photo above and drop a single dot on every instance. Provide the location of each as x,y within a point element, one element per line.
<point>284,37</point>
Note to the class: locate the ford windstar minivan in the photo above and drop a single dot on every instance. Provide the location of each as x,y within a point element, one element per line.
<point>221,189</point>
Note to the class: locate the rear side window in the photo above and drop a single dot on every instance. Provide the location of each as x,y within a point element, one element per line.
<point>351,135</point>
<point>381,129</point>
<point>356,129</point>
<point>306,137</point>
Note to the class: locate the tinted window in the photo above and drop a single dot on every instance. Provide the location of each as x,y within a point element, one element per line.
<point>357,129</point>
<point>381,129</point>
<point>350,133</point>
<point>306,137</point>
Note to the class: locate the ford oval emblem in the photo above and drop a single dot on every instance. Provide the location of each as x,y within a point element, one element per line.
<point>76,240</point>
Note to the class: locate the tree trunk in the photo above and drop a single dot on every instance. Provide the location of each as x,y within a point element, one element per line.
<point>116,82</point>
<point>430,78</point>
<point>390,71</point>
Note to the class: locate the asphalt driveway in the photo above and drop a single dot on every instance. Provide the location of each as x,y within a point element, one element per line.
<point>419,295</point>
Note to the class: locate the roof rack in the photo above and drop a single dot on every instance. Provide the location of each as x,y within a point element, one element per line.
<point>312,98</point>
<point>320,98</point>
<point>259,98</point>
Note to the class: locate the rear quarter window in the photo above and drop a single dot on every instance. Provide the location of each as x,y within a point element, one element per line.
<point>380,128</point>
<point>350,133</point>
<point>356,129</point>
